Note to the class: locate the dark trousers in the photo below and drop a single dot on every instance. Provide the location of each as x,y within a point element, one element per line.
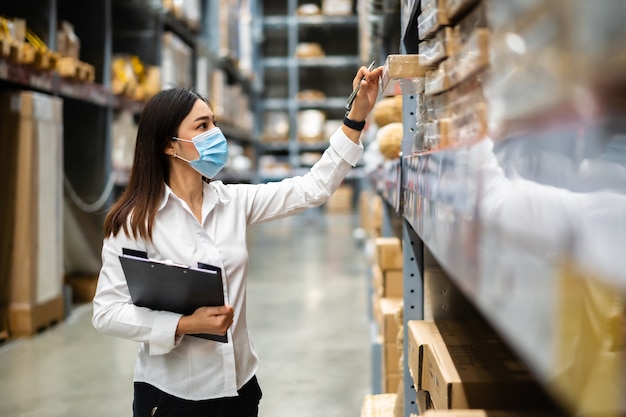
<point>245,405</point>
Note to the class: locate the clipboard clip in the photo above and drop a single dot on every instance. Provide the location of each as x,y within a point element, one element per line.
<point>170,263</point>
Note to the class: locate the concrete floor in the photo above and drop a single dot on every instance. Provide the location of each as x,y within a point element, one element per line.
<point>307,296</point>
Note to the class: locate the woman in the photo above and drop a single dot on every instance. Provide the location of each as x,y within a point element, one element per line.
<point>171,213</point>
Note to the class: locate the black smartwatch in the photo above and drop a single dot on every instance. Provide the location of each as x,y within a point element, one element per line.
<point>352,124</point>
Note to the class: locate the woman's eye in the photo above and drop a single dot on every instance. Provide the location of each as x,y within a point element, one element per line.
<point>203,126</point>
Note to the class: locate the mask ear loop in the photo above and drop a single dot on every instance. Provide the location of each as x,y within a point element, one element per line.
<point>181,158</point>
<point>175,154</point>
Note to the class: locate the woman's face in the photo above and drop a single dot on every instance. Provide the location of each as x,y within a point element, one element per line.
<point>199,120</point>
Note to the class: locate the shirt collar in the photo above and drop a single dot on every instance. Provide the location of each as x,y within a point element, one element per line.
<point>215,186</point>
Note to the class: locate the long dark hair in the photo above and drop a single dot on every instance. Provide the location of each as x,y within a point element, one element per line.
<point>159,121</point>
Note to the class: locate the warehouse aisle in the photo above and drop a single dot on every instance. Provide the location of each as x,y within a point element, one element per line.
<point>307,308</point>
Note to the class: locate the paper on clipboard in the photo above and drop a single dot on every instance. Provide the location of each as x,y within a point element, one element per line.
<point>171,287</point>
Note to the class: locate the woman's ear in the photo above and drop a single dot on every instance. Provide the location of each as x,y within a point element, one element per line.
<point>169,148</point>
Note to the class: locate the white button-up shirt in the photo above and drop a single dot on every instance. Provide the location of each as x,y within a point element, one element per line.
<point>186,366</point>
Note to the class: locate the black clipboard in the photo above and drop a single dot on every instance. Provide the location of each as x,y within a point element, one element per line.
<point>171,287</point>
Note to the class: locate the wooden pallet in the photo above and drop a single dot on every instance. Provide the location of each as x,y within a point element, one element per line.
<point>27,320</point>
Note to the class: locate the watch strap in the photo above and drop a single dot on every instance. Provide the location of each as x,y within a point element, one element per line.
<point>353,124</point>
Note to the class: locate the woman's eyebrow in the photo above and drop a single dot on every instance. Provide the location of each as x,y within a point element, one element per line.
<point>203,118</point>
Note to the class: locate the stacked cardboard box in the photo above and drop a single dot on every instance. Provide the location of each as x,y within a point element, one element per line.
<point>68,47</point>
<point>464,365</point>
<point>379,405</point>
<point>387,270</point>
<point>387,300</point>
<point>32,242</point>
<point>371,213</point>
<point>341,200</point>
<point>454,47</point>
<point>488,413</point>
<point>176,61</point>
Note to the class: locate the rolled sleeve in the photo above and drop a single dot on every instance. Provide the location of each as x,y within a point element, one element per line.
<point>345,148</point>
<point>162,336</point>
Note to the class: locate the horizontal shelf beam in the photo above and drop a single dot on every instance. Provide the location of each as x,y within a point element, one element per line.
<point>328,61</point>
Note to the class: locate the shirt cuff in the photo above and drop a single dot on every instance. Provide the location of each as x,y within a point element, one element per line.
<point>163,336</point>
<point>347,150</point>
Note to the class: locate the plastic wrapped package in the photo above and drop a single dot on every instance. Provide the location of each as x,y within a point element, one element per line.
<point>274,166</point>
<point>470,126</point>
<point>427,5</point>
<point>473,55</point>
<point>421,109</point>
<point>436,134</point>
<point>435,50</point>
<point>311,125</point>
<point>309,158</point>
<point>551,53</point>
<point>437,106</point>
<point>455,8</point>
<point>176,61</point>
<point>439,79</point>
<point>276,127</point>
<point>527,89</point>
<point>531,71</point>
<point>308,9</point>
<point>400,67</point>
<point>421,118</point>
<point>330,127</point>
<point>124,132</point>
<point>431,135</point>
<point>476,18</point>
<point>429,22</point>
<point>310,95</point>
<point>337,7</point>
<point>309,50</point>
<point>505,13</point>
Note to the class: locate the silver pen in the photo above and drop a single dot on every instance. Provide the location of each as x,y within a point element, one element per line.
<point>357,88</point>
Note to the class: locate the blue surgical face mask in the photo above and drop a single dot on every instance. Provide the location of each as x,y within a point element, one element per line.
<point>213,151</point>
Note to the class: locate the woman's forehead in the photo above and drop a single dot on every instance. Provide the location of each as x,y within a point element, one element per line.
<point>199,109</point>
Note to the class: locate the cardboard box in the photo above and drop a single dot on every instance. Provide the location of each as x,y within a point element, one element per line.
<point>387,283</point>
<point>388,253</point>
<point>341,200</point>
<point>337,7</point>
<point>462,364</point>
<point>423,401</point>
<point>391,359</point>
<point>488,413</point>
<point>420,333</point>
<point>391,383</point>
<point>387,310</point>
<point>379,405</point>
<point>33,174</point>
<point>371,211</point>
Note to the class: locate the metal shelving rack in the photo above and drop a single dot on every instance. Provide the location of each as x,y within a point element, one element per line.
<point>107,27</point>
<point>285,75</point>
<point>530,227</point>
